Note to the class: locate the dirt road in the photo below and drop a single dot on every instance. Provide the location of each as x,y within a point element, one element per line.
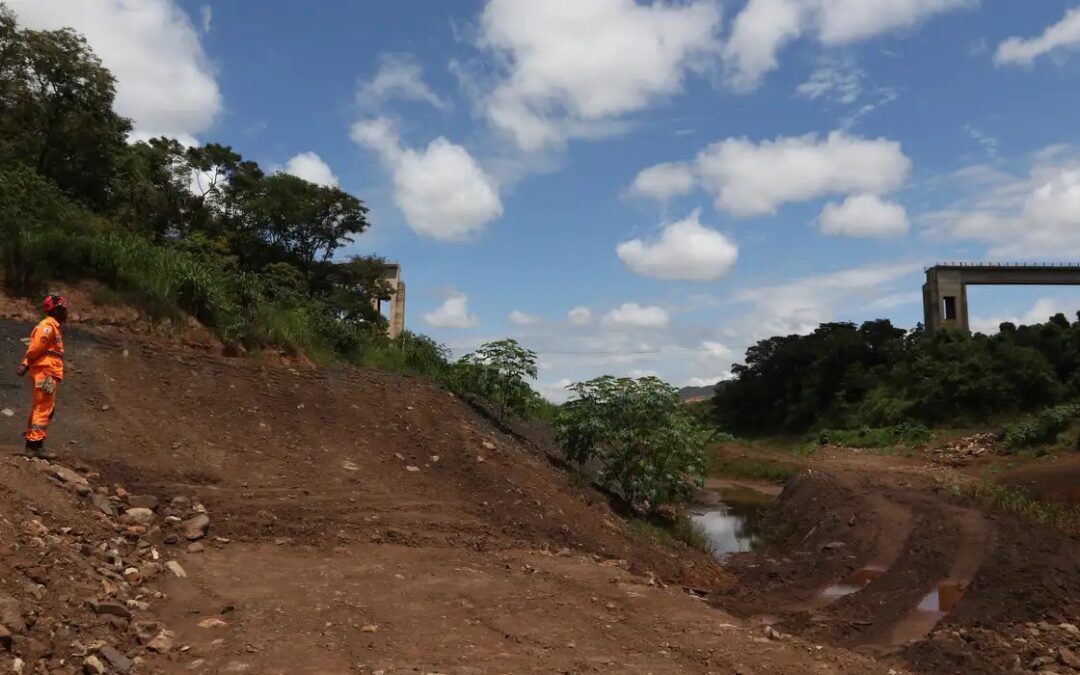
<point>358,523</point>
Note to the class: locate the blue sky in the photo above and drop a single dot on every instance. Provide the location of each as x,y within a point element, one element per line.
<point>640,187</point>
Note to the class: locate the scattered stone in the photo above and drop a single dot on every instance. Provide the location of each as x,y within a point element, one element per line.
<point>83,490</point>
<point>1070,629</point>
<point>17,665</point>
<point>92,665</point>
<point>102,503</point>
<point>212,623</point>
<point>145,631</point>
<point>196,547</point>
<point>833,546</point>
<point>161,643</point>
<point>132,576</point>
<point>111,608</point>
<point>105,408</point>
<point>412,469</point>
<point>488,445</point>
<point>176,569</point>
<point>171,538</point>
<point>116,659</point>
<point>195,527</point>
<point>139,516</point>
<point>144,501</point>
<point>180,503</point>
<point>1069,658</point>
<point>7,412</point>
<point>370,628</point>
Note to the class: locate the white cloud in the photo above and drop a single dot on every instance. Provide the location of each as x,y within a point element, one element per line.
<point>399,77</point>
<point>764,27</point>
<point>755,179</point>
<point>311,167</point>
<point>1063,34</point>
<point>988,142</point>
<point>206,15</point>
<point>580,316</point>
<point>836,79</point>
<point>453,313</point>
<point>634,315</point>
<point>522,319</point>
<point>573,68</point>
<point>716,350</point>
<point>865,216</point>
<point>165,82</point>
<point>708,381</point>
<point>686,250</point>
<point>801,305</point>
<point>663,181</point>
<point>1034,215</point>
<point>1043,309</point>
<point>442,191</point>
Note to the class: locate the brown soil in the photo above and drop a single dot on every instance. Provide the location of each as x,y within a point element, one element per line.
<point>854,510</point>
<point>359,522</point>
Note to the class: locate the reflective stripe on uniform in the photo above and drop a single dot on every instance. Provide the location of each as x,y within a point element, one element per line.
<point>39,427</point>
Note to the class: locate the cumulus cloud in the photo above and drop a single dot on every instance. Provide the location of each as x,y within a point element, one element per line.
<point>1017,216</point>
<point>1065,34</point>
<point>573,68</point>
<point>686,250</point>
<point>580,316</point>
<point>663,182</point>
<point>753,179</point>
<point>864,216</point>
<point>762,29</point>
<point>522,319</point>
<point>164,80</point>
<point>399,77</point>
<point>442,191</point>
<point>633,315</point>
<point>453,313</point>
<point>206,15</point>
<point>837,79</point>
<point>708,381</point>
<point>311,167</point>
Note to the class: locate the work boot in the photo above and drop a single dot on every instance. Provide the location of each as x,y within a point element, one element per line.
<point>36,450</point>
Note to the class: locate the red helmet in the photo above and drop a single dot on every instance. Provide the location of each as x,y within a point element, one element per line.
<point>54,301</point>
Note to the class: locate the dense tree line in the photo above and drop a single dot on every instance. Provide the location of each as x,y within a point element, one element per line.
<point>845,376</point>
<point>172,228</point>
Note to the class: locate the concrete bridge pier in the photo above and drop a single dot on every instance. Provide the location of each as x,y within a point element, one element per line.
<point>945,302</point>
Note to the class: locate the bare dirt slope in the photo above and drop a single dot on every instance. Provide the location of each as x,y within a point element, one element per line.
<point>359,523</point>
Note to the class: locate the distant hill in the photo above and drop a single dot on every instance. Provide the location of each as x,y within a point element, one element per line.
<point>696,393</point>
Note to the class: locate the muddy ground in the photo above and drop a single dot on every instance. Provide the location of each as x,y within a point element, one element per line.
<point>358,523</point>
<point>889,530</point>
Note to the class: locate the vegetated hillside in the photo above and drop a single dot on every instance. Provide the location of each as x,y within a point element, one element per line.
<point>874,375</point>
<point>359,521</point>
<point>696,393</point>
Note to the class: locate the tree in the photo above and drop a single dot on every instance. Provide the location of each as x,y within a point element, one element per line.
<point>650,448</point>
<point>56,112</point>
<point>500,372</point>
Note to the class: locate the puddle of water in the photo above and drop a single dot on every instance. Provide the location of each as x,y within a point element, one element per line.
<point>855,582</point>
<point>729,518</point>
<point>942,599</point>
<point>933,608</point>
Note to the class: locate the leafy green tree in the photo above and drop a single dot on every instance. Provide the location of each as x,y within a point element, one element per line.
<point>500,372</point>
<point>649,446</point>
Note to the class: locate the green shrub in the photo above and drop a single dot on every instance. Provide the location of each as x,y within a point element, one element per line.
<point>905,433</point>
<point>1042,427</point>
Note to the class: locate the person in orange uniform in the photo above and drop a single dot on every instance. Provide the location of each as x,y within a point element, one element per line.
<point>45,363</point>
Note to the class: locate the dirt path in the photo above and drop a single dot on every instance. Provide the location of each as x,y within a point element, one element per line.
<point>361,523</point>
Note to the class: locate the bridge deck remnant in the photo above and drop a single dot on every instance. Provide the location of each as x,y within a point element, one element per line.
<point>945,303</point>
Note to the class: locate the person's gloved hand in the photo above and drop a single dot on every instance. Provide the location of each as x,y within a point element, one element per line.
<point>22,370</point>
<point>48,385</point>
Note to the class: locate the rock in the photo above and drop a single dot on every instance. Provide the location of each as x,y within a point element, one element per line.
<point>488,445</point>
<point>17,666</point>
<point>412,469</point>
<point>132,576</point>
<point>144,501</point>
<point>145,631</point>
<point>212,623</point>
<point>102,503</point>
<point>1069,657</point>
<point>139,516</point>
<point>6,638</point>
<point>7,412</point>
<point>149,570</point>
<point>68,476</point>
<point>180,503</point>
<point>176,569</point>
<point>116,659</point>
<point>195,527</point>
<point>370,628</point>
<point>171,538</point>
<point>1070,629</point>
<point>92,665</point>
<point>162,642</point>
<point>196,547</point>
<point>833,546</point>
<point>111,608</point>
<point>83,490</point>
<point>11,615</point>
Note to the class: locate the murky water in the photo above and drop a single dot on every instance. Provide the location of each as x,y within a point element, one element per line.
<point>729,515</point>
<point>855,582</point>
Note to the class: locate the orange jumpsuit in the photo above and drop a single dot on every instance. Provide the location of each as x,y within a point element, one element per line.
<point>45,361</point>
